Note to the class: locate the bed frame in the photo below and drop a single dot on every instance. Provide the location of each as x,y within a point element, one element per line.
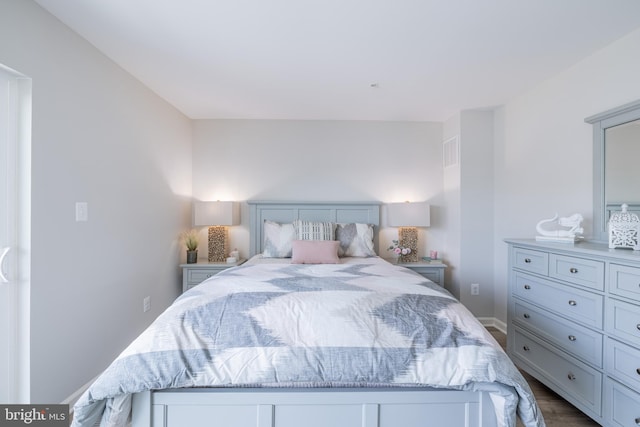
<point>312,407</point>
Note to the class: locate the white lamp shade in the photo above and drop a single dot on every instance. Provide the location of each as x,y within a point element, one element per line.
<point>215,213</point>
<point>408,214</point>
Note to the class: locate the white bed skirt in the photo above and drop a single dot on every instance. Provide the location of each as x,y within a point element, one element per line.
<point>313,408</point>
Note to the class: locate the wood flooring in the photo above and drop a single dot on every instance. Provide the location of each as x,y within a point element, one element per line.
<point>557,412</point>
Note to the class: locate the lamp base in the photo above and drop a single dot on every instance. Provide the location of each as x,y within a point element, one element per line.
<point>218,243</point>
<point>408,238</point>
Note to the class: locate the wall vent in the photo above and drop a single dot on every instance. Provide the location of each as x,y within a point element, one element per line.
<point>450,152</point>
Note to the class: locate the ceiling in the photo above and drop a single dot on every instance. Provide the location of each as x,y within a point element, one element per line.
<point>406,60</point>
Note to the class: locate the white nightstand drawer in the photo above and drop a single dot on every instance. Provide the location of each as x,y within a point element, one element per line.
<point>584,272</point>
<point>433,271</point>
<point>623,321</point>
<point>623,362</point>
<point>569,336</point>
<point>579,381</point>
<point>582,306</point>
<point>196,276</point>
<point>624,281</point>
<point>533,261</point>
<point>432,275</point>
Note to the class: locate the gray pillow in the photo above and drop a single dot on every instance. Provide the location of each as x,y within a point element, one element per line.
<point>356,240</point>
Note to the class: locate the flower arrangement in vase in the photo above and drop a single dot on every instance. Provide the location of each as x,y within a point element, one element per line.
<point>400,251</point>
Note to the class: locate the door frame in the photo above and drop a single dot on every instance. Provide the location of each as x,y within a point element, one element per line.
<point>18,132</point>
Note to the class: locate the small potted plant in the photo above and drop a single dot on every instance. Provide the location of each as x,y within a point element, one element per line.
<point>191,242</point>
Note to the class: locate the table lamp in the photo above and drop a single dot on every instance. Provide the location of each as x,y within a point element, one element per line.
<point>408,216</point>
<point>217,216</point>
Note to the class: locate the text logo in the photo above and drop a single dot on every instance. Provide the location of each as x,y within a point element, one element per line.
<point>34,415</point>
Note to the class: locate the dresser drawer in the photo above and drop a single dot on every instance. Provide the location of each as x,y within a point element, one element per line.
<point>529,260</point>
<point>577,340</point>
<point>623,362</point>
<point>580,383</point>
<point>582,306</point>
<point>621,405</point>
<point>623,321</point>
<point>624,281</point>
<point>584,272</point>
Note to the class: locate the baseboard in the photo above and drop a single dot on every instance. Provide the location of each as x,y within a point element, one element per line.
<point>496,323</point>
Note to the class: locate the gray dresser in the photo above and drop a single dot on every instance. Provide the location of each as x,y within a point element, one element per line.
<point>574,324</point>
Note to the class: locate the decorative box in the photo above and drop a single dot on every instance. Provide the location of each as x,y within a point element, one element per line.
<point>624,229</point>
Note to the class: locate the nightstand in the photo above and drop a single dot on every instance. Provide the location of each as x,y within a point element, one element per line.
<point>194,274</point>
<point>433,271</point>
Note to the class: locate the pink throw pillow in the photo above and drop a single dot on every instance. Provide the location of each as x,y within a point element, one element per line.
<point>315,252</point>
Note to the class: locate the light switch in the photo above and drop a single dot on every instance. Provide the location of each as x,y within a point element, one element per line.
<point>82,211</point>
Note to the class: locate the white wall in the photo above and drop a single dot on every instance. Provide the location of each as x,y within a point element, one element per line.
<point>98,136</point>
<point>322,161</point>
<point>468,188</point>
<point>476,210</point>
<point>452,215</point>
<point>543,147</point>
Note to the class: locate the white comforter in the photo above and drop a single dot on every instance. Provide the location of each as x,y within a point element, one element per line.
<point>362,323</point>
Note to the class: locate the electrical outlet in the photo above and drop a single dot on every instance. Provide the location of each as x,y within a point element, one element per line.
<point>146,304</point>
<point>475,289</point>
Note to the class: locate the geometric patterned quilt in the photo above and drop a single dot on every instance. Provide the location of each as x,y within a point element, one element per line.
<point>361,323</point>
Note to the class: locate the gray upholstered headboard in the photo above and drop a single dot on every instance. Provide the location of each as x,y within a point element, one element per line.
<point>287,212</point>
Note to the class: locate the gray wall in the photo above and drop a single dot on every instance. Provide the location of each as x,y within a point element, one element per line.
<point>321,160</point>
<point>468,189</point>
<point>452,216</point>
<point>543,147</point>
<point>476,210</point>
<point>98,136</point>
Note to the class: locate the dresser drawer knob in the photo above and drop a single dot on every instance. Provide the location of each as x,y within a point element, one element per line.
<point>572,303</point>
<point>526,315</point>
<point>527,260</point>
<point>572,338</point>
<point>571,376</point>
<point>527,287</point>
<point>638,326</point>
<point>638,371</point>
<point>209,275</point>
<point>526,348</point>
<point>573,270</point>
<point>637,421</point>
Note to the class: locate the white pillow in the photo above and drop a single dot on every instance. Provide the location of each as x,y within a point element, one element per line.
<point>277,239</point>
<point>314,230</point>
<point>356,240</point>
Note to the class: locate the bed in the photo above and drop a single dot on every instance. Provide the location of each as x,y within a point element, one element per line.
<point>352,341</point>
